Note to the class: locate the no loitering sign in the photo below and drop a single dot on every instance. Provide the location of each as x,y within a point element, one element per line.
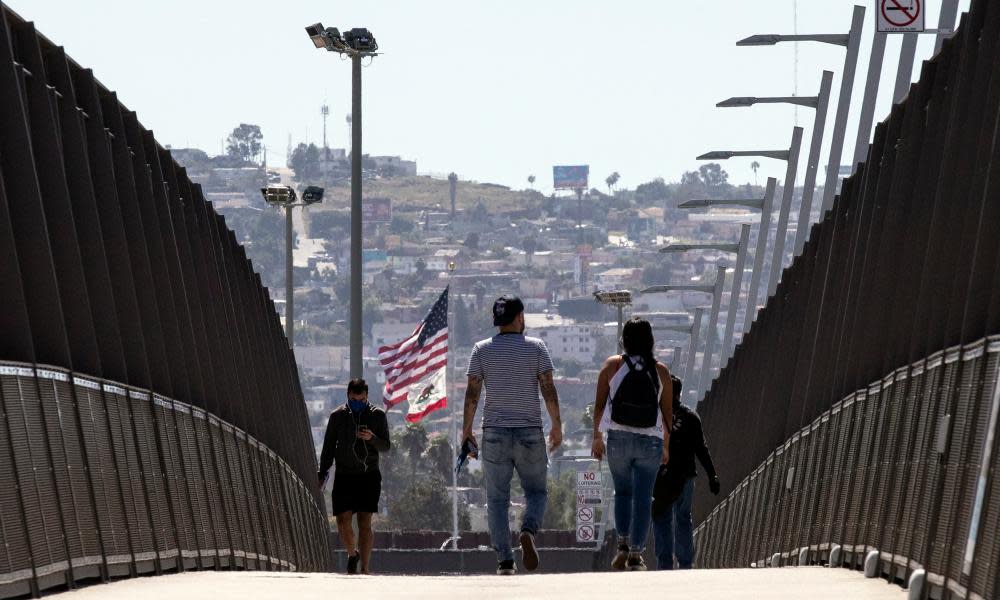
<point>589,498</point>
<point>900,16</point>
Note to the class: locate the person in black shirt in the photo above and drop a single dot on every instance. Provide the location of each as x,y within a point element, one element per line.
<point>673,531</point>
<point>355,434</point>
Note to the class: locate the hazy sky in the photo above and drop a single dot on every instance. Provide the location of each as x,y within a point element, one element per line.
<point>494,91</point>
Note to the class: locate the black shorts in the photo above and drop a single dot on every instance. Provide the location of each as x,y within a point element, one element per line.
<point>356,492</point>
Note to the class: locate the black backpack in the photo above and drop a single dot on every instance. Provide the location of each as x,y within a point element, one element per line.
<point>637,399</point>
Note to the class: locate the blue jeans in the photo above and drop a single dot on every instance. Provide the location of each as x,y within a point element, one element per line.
<point>634,460</point>
<point>679,541</point>
<point>504,450</point>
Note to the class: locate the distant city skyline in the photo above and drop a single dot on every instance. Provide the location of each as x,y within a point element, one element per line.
<point>493,93</point>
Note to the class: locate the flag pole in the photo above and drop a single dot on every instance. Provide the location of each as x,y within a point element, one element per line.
<point>454,425</point>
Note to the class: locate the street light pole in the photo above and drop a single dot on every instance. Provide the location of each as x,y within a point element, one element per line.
<point>763,229</point>
<point>693,349</point>
<point>812,163</point>
<point>357,363</point>
<point>946,21</point>
<point>284,196</point>
<point>289,285</point>
<point>758,254</point>
<point>868,103</point>
<point>357,44</point>
<point>843,108</point>
<point>787,191</point>
<point>706,361</point>
<point>735,292</point>
<point>853,42</point>
<point>821,103</point>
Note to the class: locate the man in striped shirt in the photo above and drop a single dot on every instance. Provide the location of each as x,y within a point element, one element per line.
<point>512,368</point>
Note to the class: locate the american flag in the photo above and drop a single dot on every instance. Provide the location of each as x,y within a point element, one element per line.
<point>414,367</point>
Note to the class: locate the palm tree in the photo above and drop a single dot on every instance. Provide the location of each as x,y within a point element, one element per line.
<point>755,165</point>
<point>611,181</point>
<point>531,181</point>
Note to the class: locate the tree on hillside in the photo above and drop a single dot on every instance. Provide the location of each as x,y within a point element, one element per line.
<point>754,166</point>
<point>531,181</point>
<point>652,192</point>
<point>713,176</point>
<point>611,180</point>
<point>245,142</point>
<point>305,162</point>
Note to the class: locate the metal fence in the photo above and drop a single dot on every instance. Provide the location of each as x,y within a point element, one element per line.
<point>859,409</point>
<point>151,411</point>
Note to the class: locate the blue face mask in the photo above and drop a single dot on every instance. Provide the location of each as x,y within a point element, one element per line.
<point>357,405</point>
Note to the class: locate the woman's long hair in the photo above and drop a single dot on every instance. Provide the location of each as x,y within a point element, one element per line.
<point>637,340</point>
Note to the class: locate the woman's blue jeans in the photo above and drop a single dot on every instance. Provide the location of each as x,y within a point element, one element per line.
<point>634,459</point>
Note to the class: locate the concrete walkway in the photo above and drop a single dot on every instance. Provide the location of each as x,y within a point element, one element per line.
<point>813,583</point>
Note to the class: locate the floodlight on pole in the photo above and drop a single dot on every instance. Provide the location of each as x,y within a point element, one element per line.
<point>284,196</point>
<point>356,43</point>
<point>619,299</point>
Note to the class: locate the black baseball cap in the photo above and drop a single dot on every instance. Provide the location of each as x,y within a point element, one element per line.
<point>505,309</point>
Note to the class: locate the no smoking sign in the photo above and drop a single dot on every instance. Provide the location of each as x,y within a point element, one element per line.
<point>899,16</point>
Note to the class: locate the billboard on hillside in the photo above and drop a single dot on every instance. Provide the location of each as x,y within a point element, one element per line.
<point>376,210</point>
<point>573,177</point>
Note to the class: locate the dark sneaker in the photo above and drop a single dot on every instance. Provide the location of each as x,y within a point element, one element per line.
<point>620,560</point>
<point>529,554</point>
<point>635,563</point>
<point>506,567</point>
<point>352,563</point>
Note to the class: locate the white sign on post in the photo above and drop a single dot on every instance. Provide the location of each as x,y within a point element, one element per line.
<point>899,16</point>
<point>589,498</point>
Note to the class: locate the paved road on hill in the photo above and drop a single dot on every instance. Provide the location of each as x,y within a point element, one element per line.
<point>814,583</point>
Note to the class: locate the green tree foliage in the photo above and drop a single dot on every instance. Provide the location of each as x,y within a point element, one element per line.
<point>652,192</point>
<point>401,225</point>
<point>329,224</point>
<point>416,477</point>
<point>713,175</point>
<point>560,511</point>
<point>426,504</point>
<point>305,162</point>
<point>263,234</point>
<point>245,142</point>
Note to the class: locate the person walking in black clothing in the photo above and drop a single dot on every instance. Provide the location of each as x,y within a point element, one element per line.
<point>673,531</point>
<point>355,435</point>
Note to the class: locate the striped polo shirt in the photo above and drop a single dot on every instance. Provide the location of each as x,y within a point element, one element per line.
<point>509,364</point>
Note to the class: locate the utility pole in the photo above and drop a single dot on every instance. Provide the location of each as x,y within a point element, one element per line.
<point>357,364</point>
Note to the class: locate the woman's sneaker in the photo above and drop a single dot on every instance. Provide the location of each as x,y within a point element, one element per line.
<point>620,560</point>
<point>635,562</point>
<point>506,567</point>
